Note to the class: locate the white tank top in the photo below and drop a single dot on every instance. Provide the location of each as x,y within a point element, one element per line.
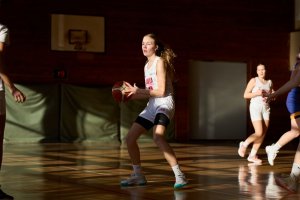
<point>3,39</point>
<point>260,86</point>
<point>151,78</point>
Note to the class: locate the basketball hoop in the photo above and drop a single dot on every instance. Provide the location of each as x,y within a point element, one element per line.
<point>78,38</point>
<point>79,46</point>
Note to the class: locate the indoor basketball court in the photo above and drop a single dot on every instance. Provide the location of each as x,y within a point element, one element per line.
<point>94,171</point>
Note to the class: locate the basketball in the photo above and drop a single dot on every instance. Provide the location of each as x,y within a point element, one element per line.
<point>118,93</point>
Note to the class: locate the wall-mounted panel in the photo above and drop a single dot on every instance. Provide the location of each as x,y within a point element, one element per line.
<point>217,107</point>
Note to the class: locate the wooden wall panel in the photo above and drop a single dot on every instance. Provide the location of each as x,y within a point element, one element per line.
<point>250,31</point>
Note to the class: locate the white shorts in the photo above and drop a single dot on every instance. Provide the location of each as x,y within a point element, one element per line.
<point>163,105</point>
<point>2,103</point>
<point>259,111</point>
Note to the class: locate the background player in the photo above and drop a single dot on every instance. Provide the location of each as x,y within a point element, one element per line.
<point>259,113</point>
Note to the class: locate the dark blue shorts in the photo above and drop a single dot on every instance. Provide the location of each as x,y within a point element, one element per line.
<point>293,100</point>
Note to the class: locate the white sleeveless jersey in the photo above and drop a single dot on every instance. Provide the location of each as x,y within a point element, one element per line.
<point>260,86</point>
<point>155,105</point>
<point>3,39</point>
<point>151,78</point>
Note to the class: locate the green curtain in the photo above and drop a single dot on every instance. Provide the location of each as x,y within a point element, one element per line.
<point>88,114</point>
<point>71,113</point>
<point>35,120</point>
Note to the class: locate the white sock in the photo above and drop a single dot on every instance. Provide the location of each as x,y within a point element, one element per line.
<point>253,153</point>
<point>295,171</point>
<point>176,170</point>
<point>277,146</point>
<point>137,169</point>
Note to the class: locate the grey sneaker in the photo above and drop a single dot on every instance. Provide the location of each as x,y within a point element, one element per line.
<point>134,179</point>
<point>272,153</point>
<point>287,183</point>
<point>180,181</point>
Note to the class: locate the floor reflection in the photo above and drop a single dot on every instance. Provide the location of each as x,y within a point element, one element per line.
<point>92,171</point>
<point>256,185</point>
<point>180,195</point>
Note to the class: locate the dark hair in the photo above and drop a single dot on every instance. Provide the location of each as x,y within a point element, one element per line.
<point>260,64</point>
<point>165,53</point>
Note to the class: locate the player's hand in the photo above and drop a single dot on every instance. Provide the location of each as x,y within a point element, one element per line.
<point>260,92</point>
<point>130,90</point>
<point>270,97</point>
<point>18,96</point>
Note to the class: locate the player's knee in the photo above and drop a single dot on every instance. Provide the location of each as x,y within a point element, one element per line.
<point>158,139</point>
<point>259,134</point>
<point>129,140</point>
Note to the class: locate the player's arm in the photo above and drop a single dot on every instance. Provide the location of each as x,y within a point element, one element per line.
<point>139,93</point>
<point>131,91</point>
<point>248,94</point>
<point>17,94</point>
<point>3,76</point>
<point>161,73</point>
<point>293,82</point>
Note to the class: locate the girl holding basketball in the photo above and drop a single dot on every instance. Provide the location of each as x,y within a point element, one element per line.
<point>158,72</point>
<point>259,113</point>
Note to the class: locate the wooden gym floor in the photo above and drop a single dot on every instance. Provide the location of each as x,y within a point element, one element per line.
<point>93,171</point>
